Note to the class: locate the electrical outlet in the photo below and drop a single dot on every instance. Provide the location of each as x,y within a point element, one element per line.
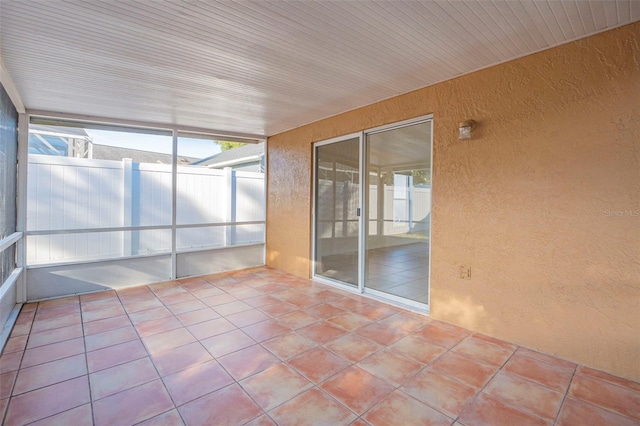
<point>465,272</point>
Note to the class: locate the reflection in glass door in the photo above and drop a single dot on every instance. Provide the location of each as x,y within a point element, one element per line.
<point>337,203</point>
<point>398,212</point>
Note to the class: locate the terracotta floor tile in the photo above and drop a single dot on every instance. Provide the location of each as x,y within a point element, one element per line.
<point>244,318</point>
<point>519,392</point>
<point>232,308</point>
<point>248,361</point>
<point>298,319</point>
<point>277,309</point>
<point>312,408</point>
<point>79,416</point>
<point>57,322</point>
<point>149,314</point>
<point>180,358</point>
<point>349,321</point>
<point>178,297</point>
<point>98,305</point>
<point>391,367</point>
<point>90,297</point>
<point>353,347</point>
<point>211,328</point>
<point>234,287</point>
<point>322,332</point>
<point>226,343</point>
<point>275,385</point>
<point>586,371</point>
<point>325,310</point>
<point>263,420</point>
<point>103,313</point>
<point>53,336</point>
<point>50,373</point>
<point>142,305</point>
<point>417,349</point>
<point>107,324</point>
<point>4,403</point>
<point>17,344</point>
<point>546,358</point>
<point>550,375</point>
<point>27,313</point>
<point>205,291</point>
<point>183,307</point>
<point>45,402</point>
<point>400,409</point>
<point>440,392</point>
<point>483,351</point>
<point>110,338</point>
<point>318,364</point>
<point>167,340</point>
<point>271,288</point>
<point>169,418</point>
<point>247,293</point>
<point>441,334</point>
<point>166,288</point>
<point>134,405</point>
<point>497,342</point>
<point>210,377</point>
<point>115,355</point>
<point>381,334</point>
<point>486,411</point>
<point>52,352</point>
<point>10,361</point>
<point>197,316</point>
<point>375,311</point>
<point>262,300</point>
<point>577,412</point>
<point>152,327</point>
<point>357,389</point>
<point>219,299</point>
<point>463,369</point>
<point>289,345</point>
<point>598,392</point>
<point>227,406</point>
<point>21,329</point>
<point>58,302</point>
<point>265,330</point>
<point>350,303</point>
<point>51,313</point>
<point>404,322</point>
<point>194,282</point>
<point>122,377</point>
<point>6,383</point>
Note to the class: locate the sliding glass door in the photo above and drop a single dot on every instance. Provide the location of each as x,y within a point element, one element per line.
<point>398,213</point>
<point>337,204</point>
<point>372,211</point>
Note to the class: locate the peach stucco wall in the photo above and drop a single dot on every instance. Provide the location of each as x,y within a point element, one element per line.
<point>526,203</point>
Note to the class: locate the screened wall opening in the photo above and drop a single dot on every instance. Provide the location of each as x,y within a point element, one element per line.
<point>111,206</point>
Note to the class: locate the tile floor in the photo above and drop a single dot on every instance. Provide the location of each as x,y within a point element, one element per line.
<point>401,270</point>
<point>261,347</point>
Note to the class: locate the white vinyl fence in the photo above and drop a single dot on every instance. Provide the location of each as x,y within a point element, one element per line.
<point>337,212</point>
<point>67,194</point>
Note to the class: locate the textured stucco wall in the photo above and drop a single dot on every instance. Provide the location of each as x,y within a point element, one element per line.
<point>526,203</point>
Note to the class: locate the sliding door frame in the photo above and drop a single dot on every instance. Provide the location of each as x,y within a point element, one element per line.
<point>362,203</point>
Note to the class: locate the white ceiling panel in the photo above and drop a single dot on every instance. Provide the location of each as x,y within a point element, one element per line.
<point>262,67</point>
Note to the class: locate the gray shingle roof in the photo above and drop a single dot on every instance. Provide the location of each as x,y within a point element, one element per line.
<point>235,154</point>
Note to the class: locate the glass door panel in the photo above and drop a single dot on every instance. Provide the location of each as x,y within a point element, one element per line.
<point>398,211</point>
<point>337,201</point>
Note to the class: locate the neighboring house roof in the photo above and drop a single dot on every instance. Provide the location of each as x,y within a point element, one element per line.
<point>243,154</point>
<point>107,152</point>
<point>66,131</point>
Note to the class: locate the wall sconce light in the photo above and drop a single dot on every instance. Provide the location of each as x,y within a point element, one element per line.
<point>465,129</point>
